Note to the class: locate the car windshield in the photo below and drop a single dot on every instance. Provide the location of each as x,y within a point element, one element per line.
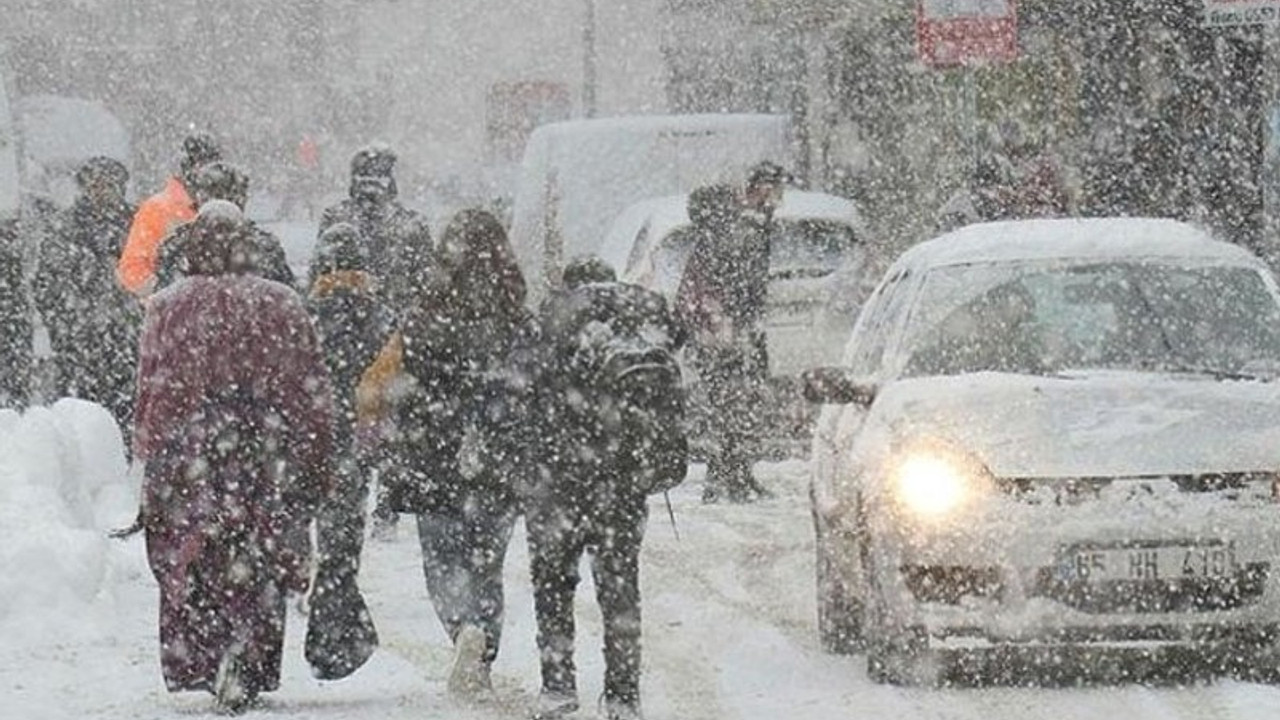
<point>1145,316</point>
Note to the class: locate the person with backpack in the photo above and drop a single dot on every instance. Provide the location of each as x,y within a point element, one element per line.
<point>460,427</point>
<point>611,427</point>
<point>234,431</point>
<point>352,325</point>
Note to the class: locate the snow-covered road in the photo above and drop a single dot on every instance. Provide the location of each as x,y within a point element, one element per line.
<point>728,631</point>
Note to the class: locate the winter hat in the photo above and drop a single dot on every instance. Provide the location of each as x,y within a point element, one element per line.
<point>102,168</point>
<point>376,160</point>
<point>218,243</point>
<point>585,270</point>
<point>341,247</point>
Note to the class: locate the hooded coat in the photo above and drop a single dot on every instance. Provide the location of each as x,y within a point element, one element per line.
<point>234,425</point>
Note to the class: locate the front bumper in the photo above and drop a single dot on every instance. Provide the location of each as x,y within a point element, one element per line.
<point>1002,577</point>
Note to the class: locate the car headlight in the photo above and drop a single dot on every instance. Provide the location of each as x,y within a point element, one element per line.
<point>933,480</point>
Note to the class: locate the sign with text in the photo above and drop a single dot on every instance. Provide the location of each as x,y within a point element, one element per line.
<point>953,33</point>
<point>1220,13</point>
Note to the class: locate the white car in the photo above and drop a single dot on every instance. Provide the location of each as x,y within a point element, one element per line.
<point>1054,440</point>
<point>818,269</point>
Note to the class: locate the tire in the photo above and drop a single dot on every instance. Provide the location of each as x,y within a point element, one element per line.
<point>839,614</point>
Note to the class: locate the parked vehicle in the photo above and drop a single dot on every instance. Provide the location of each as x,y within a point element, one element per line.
<point>818,255</point>
<point>577,176</point>
<point>1054,439</point>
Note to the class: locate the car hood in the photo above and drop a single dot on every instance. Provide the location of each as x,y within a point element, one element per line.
<point>1106,424</point>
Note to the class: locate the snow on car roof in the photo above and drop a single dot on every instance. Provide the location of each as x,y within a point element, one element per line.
<point>1072,238</point>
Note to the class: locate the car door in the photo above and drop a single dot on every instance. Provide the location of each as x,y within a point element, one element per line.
<point>838,425</point>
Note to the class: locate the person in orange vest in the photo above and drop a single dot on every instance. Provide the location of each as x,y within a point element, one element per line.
<point>159,214</point>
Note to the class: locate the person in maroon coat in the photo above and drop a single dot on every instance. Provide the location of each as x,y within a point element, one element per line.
<point>234,425</point>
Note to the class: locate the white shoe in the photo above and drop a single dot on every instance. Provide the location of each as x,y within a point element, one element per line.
<point>470,673</point>
<point>554,706</point>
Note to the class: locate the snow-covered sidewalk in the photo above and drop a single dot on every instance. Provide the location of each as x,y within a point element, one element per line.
<point>728,617</point>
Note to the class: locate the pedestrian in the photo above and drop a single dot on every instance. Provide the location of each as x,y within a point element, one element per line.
<point>160,214</point>
<point>465,345</point>
<point>722,301</point>
<point>612,431</point>
<point>221,181</point>
<point>92,323</point>
<point>234,428</point>
<point>15,322</point>
<point>353,326</point>
<point>400,246</point>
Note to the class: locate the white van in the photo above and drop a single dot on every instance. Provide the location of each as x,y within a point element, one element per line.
<point>577,176</point>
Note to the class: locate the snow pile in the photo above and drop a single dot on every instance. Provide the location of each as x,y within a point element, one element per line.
<point>64,482</point>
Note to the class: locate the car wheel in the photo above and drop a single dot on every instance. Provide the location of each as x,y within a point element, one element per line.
<point>839,614</point>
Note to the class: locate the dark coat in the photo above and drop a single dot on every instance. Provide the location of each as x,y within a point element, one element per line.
<point>268,260</point>
<point>583,426</point>
<point>234,425</point>
<point>15,322</point>
<point>725,285</point>
<point>401,252</point>
<point>468,345</point>
<point>92,323</point>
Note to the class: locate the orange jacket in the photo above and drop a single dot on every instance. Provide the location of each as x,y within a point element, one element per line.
<point>156,217</point>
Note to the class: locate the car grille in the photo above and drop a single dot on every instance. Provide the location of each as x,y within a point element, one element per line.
<point>1156,596</point>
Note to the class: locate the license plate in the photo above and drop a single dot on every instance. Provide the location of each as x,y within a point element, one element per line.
<point>1150,562</point>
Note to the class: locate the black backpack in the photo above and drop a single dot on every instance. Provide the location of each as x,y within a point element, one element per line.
<point>618,344</point>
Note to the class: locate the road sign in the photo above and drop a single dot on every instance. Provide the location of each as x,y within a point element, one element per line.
<point>1218,13</point>
<point>952,33</point>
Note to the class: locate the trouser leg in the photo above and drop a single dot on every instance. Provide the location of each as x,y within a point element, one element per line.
<point>555,547</point>
<point>340,522</point>
<point>616,569</point>
<point>463,551</point>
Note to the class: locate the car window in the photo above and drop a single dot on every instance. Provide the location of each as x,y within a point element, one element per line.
<point>1113,316</point>
<point>809,248</point>
<point>875,329</point>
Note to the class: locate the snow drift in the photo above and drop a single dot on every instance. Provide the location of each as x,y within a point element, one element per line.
<point>64,483</point>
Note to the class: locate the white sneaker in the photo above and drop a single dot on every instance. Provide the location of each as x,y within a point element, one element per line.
<point>554,706</point>
<point>470,673</point>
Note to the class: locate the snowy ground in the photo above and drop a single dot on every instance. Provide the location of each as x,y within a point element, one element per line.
<point>728,617</point>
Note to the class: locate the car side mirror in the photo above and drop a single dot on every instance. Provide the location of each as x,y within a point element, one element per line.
<point>837,386</point>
